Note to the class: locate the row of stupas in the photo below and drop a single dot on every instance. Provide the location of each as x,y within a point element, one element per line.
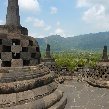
<point>24,82</point>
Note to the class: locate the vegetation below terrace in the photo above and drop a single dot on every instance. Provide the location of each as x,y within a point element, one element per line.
<point>73,60</point>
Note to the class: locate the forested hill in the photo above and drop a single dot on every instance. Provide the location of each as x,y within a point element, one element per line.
<point>93,41</point>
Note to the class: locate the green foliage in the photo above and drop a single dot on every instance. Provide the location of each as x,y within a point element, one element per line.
<point>73,60</point>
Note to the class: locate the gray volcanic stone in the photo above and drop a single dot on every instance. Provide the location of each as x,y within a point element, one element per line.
<point>7,42</point>
<point>6,56</point>
<point>16,48</point>
<point>16,62</point>
<point>24,43</point>
<point>14,42</point>
<point>4,71</point>
<point>25,55</point>
<point>13,17</point>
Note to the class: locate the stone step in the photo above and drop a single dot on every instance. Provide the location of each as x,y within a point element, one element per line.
<point>60,104</point>
<point>20,86</point>
<point>8,100</point>
<point>19,76</point>
<point>43,103</point>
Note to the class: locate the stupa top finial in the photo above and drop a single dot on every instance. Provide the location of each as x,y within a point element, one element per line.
<point>12,17</point>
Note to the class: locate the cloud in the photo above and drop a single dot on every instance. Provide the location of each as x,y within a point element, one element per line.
<point>82,3</point>
<point>90,3</point>
<point>54,10</point>
<point>59,31</point>
<point>96,13</point>
<point>2,22</point>
<point>30,5</point>
<point>36,35</point>
<point>38,23</point>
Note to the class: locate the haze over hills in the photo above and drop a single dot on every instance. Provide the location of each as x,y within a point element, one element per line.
<point>92,41</point>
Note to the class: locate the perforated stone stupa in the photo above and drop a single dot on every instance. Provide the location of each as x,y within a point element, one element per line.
<point>16,47</point>
<point>24,83</point>
<point>101,72</point>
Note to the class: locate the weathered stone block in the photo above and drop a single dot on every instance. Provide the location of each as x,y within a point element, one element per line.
<point>38,55</point>
<point>7,42</point>
<point>16,62</point>
<point>6,56</point>
<point>33,62</point>
<point>33,41</point>
<point>16,48</point>
<point>26,95</point>
<point>24,43</point>
<point>25,55</point>
<point>32,49</point>
<point>8,99</point>
<point>52,98</point>
<point>1,49</point>
<point>2,34</point>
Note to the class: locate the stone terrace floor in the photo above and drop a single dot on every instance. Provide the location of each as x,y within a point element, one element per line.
<point>82,96</point>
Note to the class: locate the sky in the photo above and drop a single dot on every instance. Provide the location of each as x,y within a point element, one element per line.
<point>67,18</point>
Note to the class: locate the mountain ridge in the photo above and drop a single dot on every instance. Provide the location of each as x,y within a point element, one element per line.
<point>92,41</point>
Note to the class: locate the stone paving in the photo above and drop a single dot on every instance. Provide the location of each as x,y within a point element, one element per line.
<point>82,96</point>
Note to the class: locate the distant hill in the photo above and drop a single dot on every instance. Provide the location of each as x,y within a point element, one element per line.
<point>92,41</point>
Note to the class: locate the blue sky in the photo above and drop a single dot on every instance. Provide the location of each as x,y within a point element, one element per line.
<point>64,17</point>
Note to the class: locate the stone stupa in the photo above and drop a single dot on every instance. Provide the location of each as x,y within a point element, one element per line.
<point>24,83</point>
<point>99,75</point>
<point>16,47</point>
<point>48,60</point>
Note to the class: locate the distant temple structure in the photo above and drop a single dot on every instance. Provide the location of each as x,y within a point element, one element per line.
<point>105,56</point>
<point>48,60</point>
<point>16,47</point>
<point>48,55</point>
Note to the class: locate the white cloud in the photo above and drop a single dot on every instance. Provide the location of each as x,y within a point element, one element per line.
<point>54,10</point>
<point>35,35</point>
<point>2,22</point>
<point>90,3</point>
<point>82,3</point>
<point>59,31</point>
<point>39,23</point>
<point>31,5</point>
<point>96,13</point>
